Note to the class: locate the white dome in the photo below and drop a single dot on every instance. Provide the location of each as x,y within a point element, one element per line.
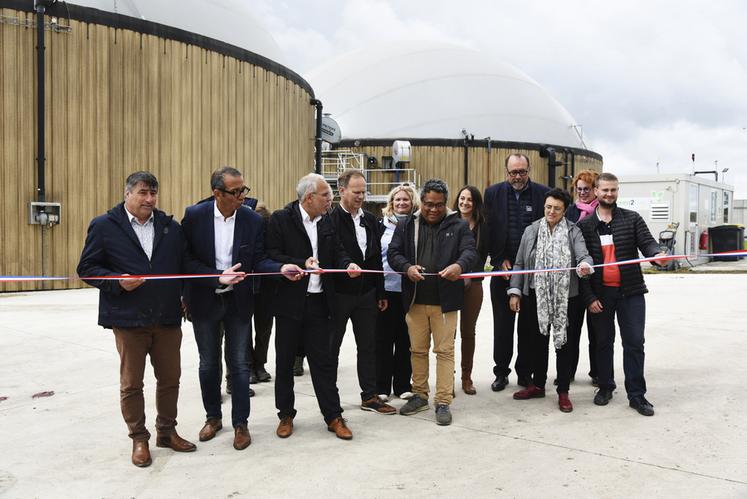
<point>229,21</point>
<point>434,90</point>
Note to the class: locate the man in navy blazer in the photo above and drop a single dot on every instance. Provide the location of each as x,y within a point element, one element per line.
<point>225,234</point>
<point>135,238</point>
<point>510,207</point>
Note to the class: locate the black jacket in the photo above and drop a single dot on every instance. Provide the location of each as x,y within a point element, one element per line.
<point>112,248</point>
<point>248,249</point>
<point>287,242</point>
<point>343,222</point>
<point>629,234</point>
<point>496,211</point>
<point>456,245</point>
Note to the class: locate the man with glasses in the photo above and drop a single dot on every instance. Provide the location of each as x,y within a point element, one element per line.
<point>434,240</point>
<point>510,207</point>
<point>303,234</point>
<point>225,234</point>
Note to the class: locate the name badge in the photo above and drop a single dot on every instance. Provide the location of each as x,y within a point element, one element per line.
<point>528,208</point>
<point>606,240</point>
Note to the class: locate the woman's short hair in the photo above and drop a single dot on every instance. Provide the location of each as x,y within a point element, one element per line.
<point>588,176</point>
<point>560,195</point>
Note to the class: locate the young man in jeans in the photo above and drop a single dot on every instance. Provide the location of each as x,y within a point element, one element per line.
<point>432,240</point>
<point>614,234</point>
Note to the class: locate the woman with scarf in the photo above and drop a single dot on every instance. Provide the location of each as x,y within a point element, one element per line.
<point>552,242</point>
<point>469,205</point>
<point>586,202</point>
<point>393,369</point>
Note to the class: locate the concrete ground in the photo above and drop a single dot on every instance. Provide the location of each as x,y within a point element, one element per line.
<point>74,443</point>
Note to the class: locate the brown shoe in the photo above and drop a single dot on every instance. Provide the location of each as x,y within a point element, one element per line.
<point>175,442</point>
<point>241,439</point>
<point>285,428</point>
<point>212,426</point>
<point>140,453</point>
<point>468,387</point>
<point>375,405</point>
<point>340,429</point>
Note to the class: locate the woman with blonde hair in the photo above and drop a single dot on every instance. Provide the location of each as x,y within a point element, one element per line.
<point>393,369</point>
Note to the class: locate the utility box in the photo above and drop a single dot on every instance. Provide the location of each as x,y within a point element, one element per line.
<point>44,213</point>
<point>696,202</point>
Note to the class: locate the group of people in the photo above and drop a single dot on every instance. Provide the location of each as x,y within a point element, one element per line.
<point>399,280</point>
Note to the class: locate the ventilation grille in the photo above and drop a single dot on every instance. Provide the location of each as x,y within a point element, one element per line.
<point>660,211</point>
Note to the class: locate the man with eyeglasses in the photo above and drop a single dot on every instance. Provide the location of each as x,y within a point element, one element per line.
<point>510,207</point>
<point>303,234</point>
<point>225,234</point>
<point>435,241</point>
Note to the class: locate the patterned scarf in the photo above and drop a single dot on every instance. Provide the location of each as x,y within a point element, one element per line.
<point>586,209</point>
<point>553,251</point>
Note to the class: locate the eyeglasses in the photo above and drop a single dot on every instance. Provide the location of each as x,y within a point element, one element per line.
<point>517,173</point>
<point>434,206</point>
<point>239,192</point>
<point>583,189</point>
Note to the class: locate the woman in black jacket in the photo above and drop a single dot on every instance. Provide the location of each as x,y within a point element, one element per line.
<point>469,205</point>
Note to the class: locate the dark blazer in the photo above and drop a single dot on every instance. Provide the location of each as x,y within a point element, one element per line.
<point>343,222</point>
<point>248,249</point>
<point>629,234</point>
<point>456,245</point>
<point>112,248</point>
<point>287,242</point>
<point>496,211</point>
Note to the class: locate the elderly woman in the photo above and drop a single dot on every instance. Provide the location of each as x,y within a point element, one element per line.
<point>393,369</point>
<point>551,242</point>
<point>469,205</point>
<point>586,202</point>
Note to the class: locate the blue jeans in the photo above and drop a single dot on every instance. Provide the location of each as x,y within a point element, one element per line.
<point>631,317</point>
<point>238,332</point>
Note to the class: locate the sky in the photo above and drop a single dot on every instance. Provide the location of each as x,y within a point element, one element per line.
<point>650,82</point>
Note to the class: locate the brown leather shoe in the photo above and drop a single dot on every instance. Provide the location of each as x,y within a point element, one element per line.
<point>140,453</point>
<point>212,426</point>
<point>285,428</point>
<point>241,438</point>
<point>340,429</point>
<point>468,387</point>
<point>175,442</point>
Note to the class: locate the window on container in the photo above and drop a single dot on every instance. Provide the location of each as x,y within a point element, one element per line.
<point>727,199</point>
<point>693,203</point>
<point>713,207</point>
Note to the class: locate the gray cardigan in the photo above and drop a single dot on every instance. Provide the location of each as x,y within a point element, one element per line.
<point>525,258</point>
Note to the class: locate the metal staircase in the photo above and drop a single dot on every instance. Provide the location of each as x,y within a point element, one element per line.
<point>379,180</point>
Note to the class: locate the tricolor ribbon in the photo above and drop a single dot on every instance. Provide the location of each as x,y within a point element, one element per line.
<point>469,275</point>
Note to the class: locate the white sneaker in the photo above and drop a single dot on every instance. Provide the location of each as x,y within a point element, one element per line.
<point>383,397</point>
<point>406,395</point>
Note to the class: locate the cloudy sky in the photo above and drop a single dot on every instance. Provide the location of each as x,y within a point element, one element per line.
<point>649,81</point>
